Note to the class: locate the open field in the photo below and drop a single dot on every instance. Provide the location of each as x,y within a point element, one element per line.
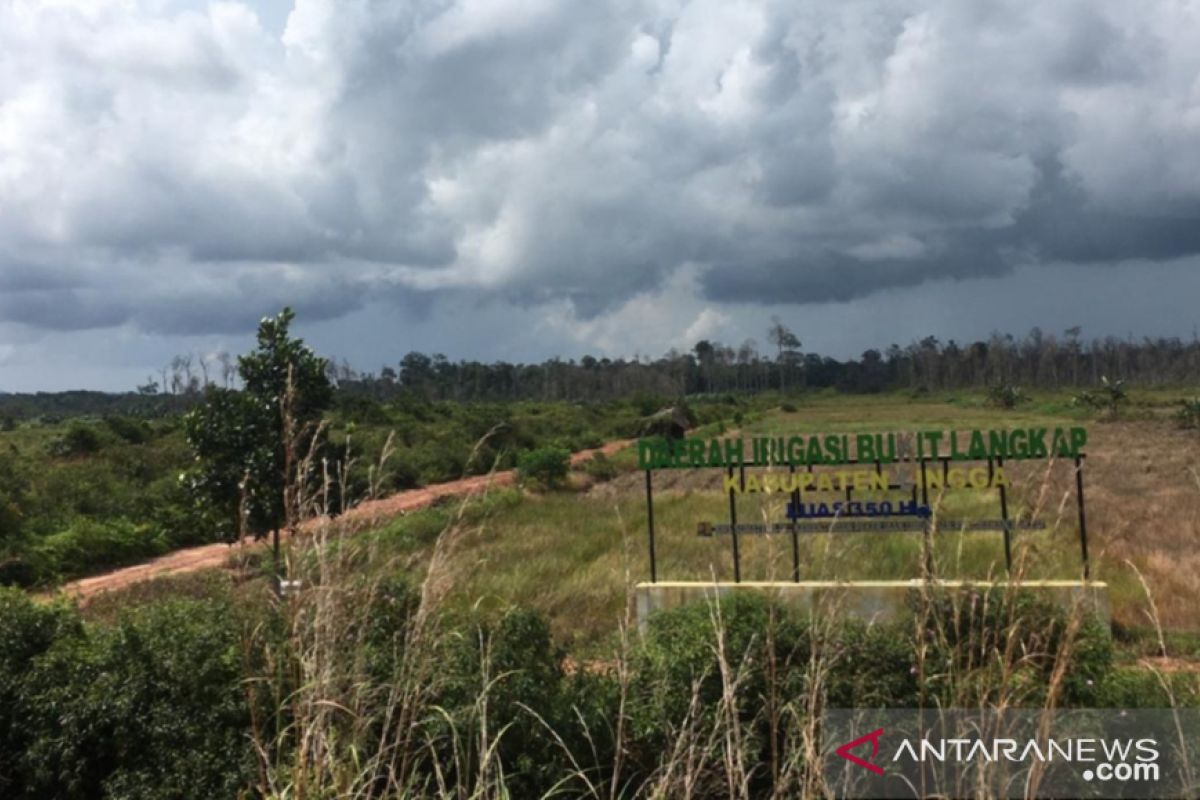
<point>575,554</point>
<point>497,616</point>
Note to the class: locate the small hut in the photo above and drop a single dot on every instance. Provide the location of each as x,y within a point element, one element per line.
<point>670,423</point>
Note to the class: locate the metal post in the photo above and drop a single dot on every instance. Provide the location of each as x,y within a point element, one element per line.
<point>650,527</point>
<point>733,531</point>
<point>924,485</point>
<point>1087,567</point>
<point>1003,515</point>
<point>927,538</point>
<point>795,524</point>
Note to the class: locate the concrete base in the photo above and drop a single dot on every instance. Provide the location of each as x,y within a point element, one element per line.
<point>869,600</point>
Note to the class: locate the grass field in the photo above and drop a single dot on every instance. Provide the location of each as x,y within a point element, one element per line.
<point>575,553</point>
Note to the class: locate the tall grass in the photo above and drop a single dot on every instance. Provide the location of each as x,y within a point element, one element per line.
<point>362,688</point>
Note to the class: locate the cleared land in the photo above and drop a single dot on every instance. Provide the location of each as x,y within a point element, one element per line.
<point>574,554</point>
<point>371,512</point>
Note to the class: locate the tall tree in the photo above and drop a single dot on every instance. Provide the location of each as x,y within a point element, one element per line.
<point>244,441</point>
<point>787,348</point>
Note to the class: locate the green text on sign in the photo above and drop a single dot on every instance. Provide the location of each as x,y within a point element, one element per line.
<point>861,448</point>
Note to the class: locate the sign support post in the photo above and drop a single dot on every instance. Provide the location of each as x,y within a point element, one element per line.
<point>795,532</point>
<point>650,526</point>
<point>1087,567</point>
<point>1004,516</point>
<point>927,539</point>
<point>733,531</point>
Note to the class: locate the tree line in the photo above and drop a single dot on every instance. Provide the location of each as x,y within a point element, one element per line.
<point>1037,360</point>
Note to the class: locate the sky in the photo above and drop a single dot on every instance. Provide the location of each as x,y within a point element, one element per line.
<point>522,179</point>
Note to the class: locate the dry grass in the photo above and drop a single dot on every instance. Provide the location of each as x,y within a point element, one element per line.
<point>569,554</point>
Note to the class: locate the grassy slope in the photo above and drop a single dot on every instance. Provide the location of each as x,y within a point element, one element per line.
<point>574,554</point>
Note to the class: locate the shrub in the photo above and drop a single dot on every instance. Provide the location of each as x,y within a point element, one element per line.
<point>27,630</point>
<point>134,431</point>
<point>152,707</point>
<point>14,497</point>
<point>600,468</point>
<point>1189,414</point>
<point>976,638</point>
<point>546,466</point>
<point>1006,395</point>
<point>79,439</point>
<point>149,708</point>
<point>1110,396</point>
<point>519,667</point>
<point>788,408</point>
<point>360,409</point>
<point>94,544</point>
<point>678,656</point>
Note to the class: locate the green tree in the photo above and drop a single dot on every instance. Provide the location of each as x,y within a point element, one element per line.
<point>242,439</point>
<point>547,466</point>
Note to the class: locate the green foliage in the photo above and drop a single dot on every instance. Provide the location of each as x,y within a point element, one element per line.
<point>1005,395</point>
<point>600,468</point>
<point>27,630</point>
<point>970,636</point>
<point>1132,687</point>
<point>79,439</point>
<point>1189,413</point>
<point>360,409</point>
<point>546,466</point>
<point>156,704</point>
<point>134,431</point>
<point>230,435</point>
<point>1110,396</point>
<point>99,543</point>
<point>240,439</point>
<point>519,668</point>
<point>149,708</point>
<point>14,491</point>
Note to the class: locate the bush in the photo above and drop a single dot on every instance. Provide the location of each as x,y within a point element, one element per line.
<point>600,468</point>
<point>152,707</point>
<point>526,678</point>
<point>27,630</point>
<point>79,439</point>
<point>546,466</point>
<point>134,431</point>
<point>90,545</point>
<point>1189,415</point>
<point>1006,395</point>
<point>1110,396</point>
<point>678,656</point>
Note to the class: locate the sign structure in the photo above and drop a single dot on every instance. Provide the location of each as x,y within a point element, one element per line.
<point>812,470</point>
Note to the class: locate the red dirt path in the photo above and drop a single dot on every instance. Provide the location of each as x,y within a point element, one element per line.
<point>212,556</point>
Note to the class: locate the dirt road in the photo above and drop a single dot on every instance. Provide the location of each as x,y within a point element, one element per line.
<point>211,556</point>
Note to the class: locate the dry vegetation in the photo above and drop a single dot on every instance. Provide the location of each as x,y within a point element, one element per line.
<point>574,555</point>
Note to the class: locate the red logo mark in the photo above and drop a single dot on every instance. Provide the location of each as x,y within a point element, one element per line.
<point>873,737</point>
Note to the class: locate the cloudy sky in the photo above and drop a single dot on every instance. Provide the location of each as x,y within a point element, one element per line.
<point>523,178</point>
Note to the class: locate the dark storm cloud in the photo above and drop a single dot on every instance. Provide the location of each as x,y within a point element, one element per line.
<point>180,168</point>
